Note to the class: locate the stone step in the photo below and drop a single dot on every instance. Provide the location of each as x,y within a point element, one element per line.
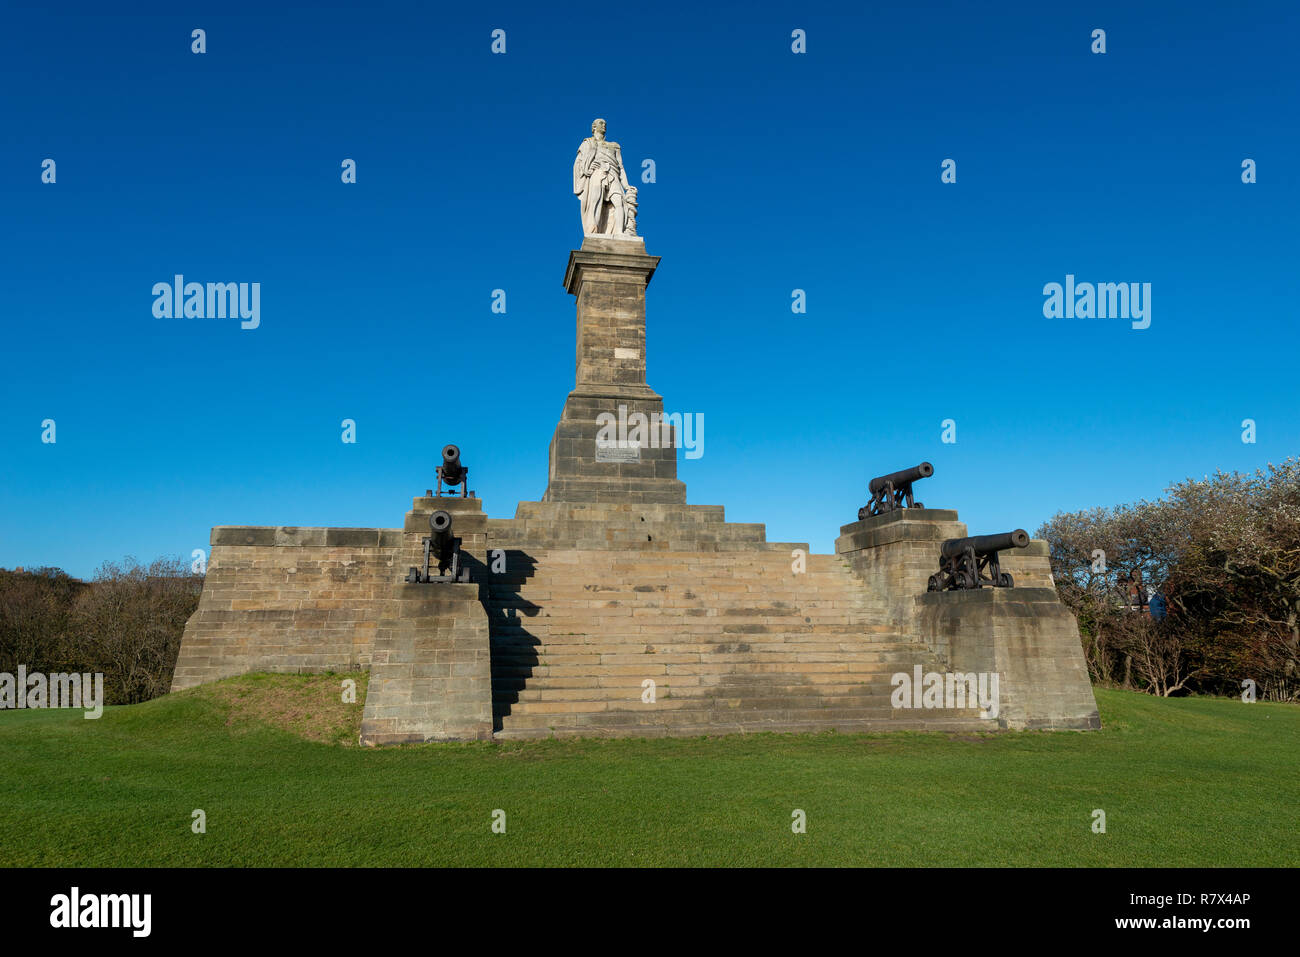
<point>741,666</point>
<point>705,623</point>
<point>684,619</point>
<point>818,696</point>
<point>664,575</point>
<point>847,637</point>
<point>626,684</point>
<point>558,611</point>
<point>735,642</point>
<point>735,601</point>
<point>662,660</point>
<point>740,604</point>
<point>884,718</point>
<point>752,725</point>
<point>515,654</point>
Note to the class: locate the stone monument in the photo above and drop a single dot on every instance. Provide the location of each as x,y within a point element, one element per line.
<point>613,607</point>
<point>608,277</point>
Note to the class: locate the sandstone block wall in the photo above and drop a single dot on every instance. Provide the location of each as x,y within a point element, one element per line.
<point>431,670</point>
<point>288,599</point>
<point>896,553</point>
<point>634,527</point>
<point>307,600</point>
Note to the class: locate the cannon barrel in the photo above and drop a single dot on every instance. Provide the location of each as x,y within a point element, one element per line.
<point>985,544</point>
<point>440,525</point>
<point>452,470</point>
<point>898,479</point>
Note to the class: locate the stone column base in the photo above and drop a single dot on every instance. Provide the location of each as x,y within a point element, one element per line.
<point>644,473</point>
<point>431,673</point>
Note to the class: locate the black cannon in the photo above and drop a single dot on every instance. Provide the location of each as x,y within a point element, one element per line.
<point>894,490</point>
<point>973,562</point>
<point>443,548</point>
<point>451,472</point>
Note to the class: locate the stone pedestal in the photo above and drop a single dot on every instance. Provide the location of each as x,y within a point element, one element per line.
<point>431,670</point>
<point>1025,636</point>
<point>608,278</point>
<point>896,553</point>
<point>468,523</point>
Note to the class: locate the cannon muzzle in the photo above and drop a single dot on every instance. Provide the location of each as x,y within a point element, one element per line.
<point>440,525</point>
<point>899,479</point>
<point>453,473</point>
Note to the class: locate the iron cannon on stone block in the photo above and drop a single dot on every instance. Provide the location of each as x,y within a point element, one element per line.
<point>451,472</point>
<point>973,562</point>
<point>894,490</point>
<point>440,547</point>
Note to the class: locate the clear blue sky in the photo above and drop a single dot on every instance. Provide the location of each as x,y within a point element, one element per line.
<point>776,171</point>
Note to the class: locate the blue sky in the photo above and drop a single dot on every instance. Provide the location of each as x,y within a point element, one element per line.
<point>775,171</point>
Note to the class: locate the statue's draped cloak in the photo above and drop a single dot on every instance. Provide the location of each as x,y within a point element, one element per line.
<point>591,189</point>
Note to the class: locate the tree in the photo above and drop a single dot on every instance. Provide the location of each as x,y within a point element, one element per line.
<point>129,625</point>
<point>34,610</point>
<point>1224,551</point>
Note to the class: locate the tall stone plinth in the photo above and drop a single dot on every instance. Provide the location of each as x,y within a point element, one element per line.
<point>608,278</point>
<point>431,668</point>
<point>1026,637</point>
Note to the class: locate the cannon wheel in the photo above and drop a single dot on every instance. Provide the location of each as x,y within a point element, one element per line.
<point>863,513</point>
<point>1006,581</point>
<point>935,584</point>
<point>963,580</point>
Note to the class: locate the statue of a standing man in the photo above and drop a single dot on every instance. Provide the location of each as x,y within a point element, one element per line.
<point>605,198</point>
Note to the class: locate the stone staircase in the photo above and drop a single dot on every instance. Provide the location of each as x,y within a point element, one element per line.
<point>733,640</point>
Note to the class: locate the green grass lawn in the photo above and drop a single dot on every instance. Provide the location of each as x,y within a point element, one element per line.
<point>1199,782</point>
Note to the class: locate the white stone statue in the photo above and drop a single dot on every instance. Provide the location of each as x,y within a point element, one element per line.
<point>605,198</point>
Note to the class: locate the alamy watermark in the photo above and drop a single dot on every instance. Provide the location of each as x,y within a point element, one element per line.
<point>1103,300</point>
<point>654,431</point>
<point>38,690</point>
<point>933,690</point>
<point>179,299</point>
<point>75,909</point>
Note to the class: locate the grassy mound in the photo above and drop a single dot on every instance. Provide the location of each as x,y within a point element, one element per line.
<point>310,707</point>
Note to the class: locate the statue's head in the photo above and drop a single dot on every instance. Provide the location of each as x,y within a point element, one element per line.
<point>598,128</point>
